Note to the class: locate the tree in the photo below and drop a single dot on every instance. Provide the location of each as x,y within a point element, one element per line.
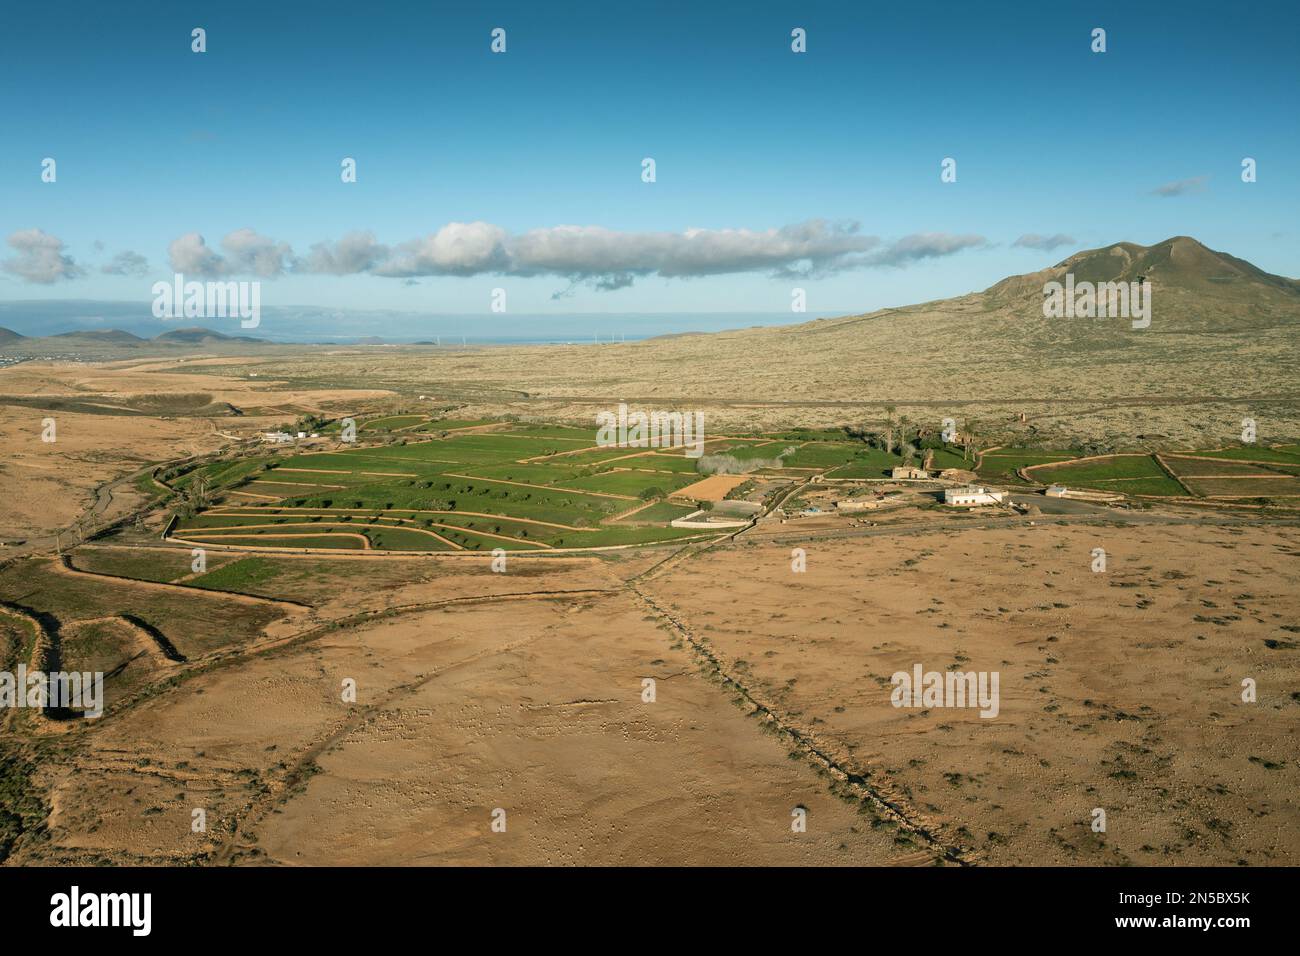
<point>969,443</point>
<point>197,494</point>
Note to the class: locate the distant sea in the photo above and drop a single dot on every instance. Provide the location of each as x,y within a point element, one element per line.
<point>311,324</point>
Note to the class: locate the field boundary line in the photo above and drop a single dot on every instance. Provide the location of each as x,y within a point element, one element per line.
<point>63,565</point>
<point>524,484</point>
<point>326,512</point>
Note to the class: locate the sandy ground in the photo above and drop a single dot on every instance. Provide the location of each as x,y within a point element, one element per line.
<point>533,706</point>
<point>50,484</point>
<point>522,691</point>
<point>1119,690</point>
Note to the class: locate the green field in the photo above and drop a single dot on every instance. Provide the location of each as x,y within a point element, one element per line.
<point>866,463</point>
<point>194,622</point>
<point>1124,474</point>
<point>1281,454</point>
<point>142,564</point>
<point>518,487</point>
<point>1001,464</point>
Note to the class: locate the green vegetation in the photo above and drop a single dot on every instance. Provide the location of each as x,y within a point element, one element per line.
<point>867,463</point>
<point>1001,464</point>
<point>661,512</point>
<point>21,808</point>
<point>521,487</point>
<point>194,622</point>
<point>390,423</point>
<point>247,575</point>
<point>1125,474</point>
<point>1281,454</point>
<point>143,564</point>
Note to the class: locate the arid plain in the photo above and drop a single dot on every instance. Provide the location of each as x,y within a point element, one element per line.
<point>723,699</point>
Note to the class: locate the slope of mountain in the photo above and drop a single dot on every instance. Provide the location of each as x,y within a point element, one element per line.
<point>201,336</point>
<point>1222,346</point>
<point>99,337</point>
<point>1193,287</point>
<point>9,335</point>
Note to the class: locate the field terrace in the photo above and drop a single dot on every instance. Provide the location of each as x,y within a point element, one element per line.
<point>450,486</point>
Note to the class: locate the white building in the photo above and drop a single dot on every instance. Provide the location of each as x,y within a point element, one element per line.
<point>278,438</point>
<point>1082,494</point>
<point>973,495</point>
<point>907,471</point>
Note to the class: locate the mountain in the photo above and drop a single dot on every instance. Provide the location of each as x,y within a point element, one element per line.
<point>9,335</point>
<point>1223,344</point>
<point>201,336</point>
<point>100,337</point>
<point>1194,288</point>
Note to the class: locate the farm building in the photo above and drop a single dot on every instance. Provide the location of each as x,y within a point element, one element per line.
<point>973,495</point>
<point>857,504</point>
<point>867,504</point>
<point>277,438</point>
<point>907,471</point>
<point>1060,491</point>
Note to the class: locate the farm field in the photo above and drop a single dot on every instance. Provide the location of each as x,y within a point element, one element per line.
<point>1126,474</point>
<point>1226,474</point>
<point>1002,463</point>
<point>192,622</point>
<point>507,485</point>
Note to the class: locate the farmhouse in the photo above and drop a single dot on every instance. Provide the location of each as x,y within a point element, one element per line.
<point>277,438</point>
<point>972,495</point>
<point>867,504</point>
<point>857,504</point>
<point>907,471</point>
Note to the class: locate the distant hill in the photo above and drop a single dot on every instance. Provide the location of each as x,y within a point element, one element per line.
<point>101,337</point>
<point>1223,343</point>
<point>9,335</point>
<point>201,336</point>
<point>1193,287</point>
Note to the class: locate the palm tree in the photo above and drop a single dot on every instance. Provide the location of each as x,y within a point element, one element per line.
<point>969,443</point>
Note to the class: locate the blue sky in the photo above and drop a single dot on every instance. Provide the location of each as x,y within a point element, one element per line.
<point>154,142</point>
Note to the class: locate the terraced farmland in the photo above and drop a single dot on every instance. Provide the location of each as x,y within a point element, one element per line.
<point>1230,474</point>
<point>517,487</point>
<point>1132,474</point>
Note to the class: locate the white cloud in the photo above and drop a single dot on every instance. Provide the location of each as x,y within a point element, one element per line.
<point>249,252</point>
<point>191,254</point>
<point>126,263</point>
<point>925,245</point>
<point>1032,240</point>
<point>593,255</point>
<point>246,253</point>
<point>457,249</point>
<point>40,258</point>
<point>355,252</point>
<point>1194,185</point>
